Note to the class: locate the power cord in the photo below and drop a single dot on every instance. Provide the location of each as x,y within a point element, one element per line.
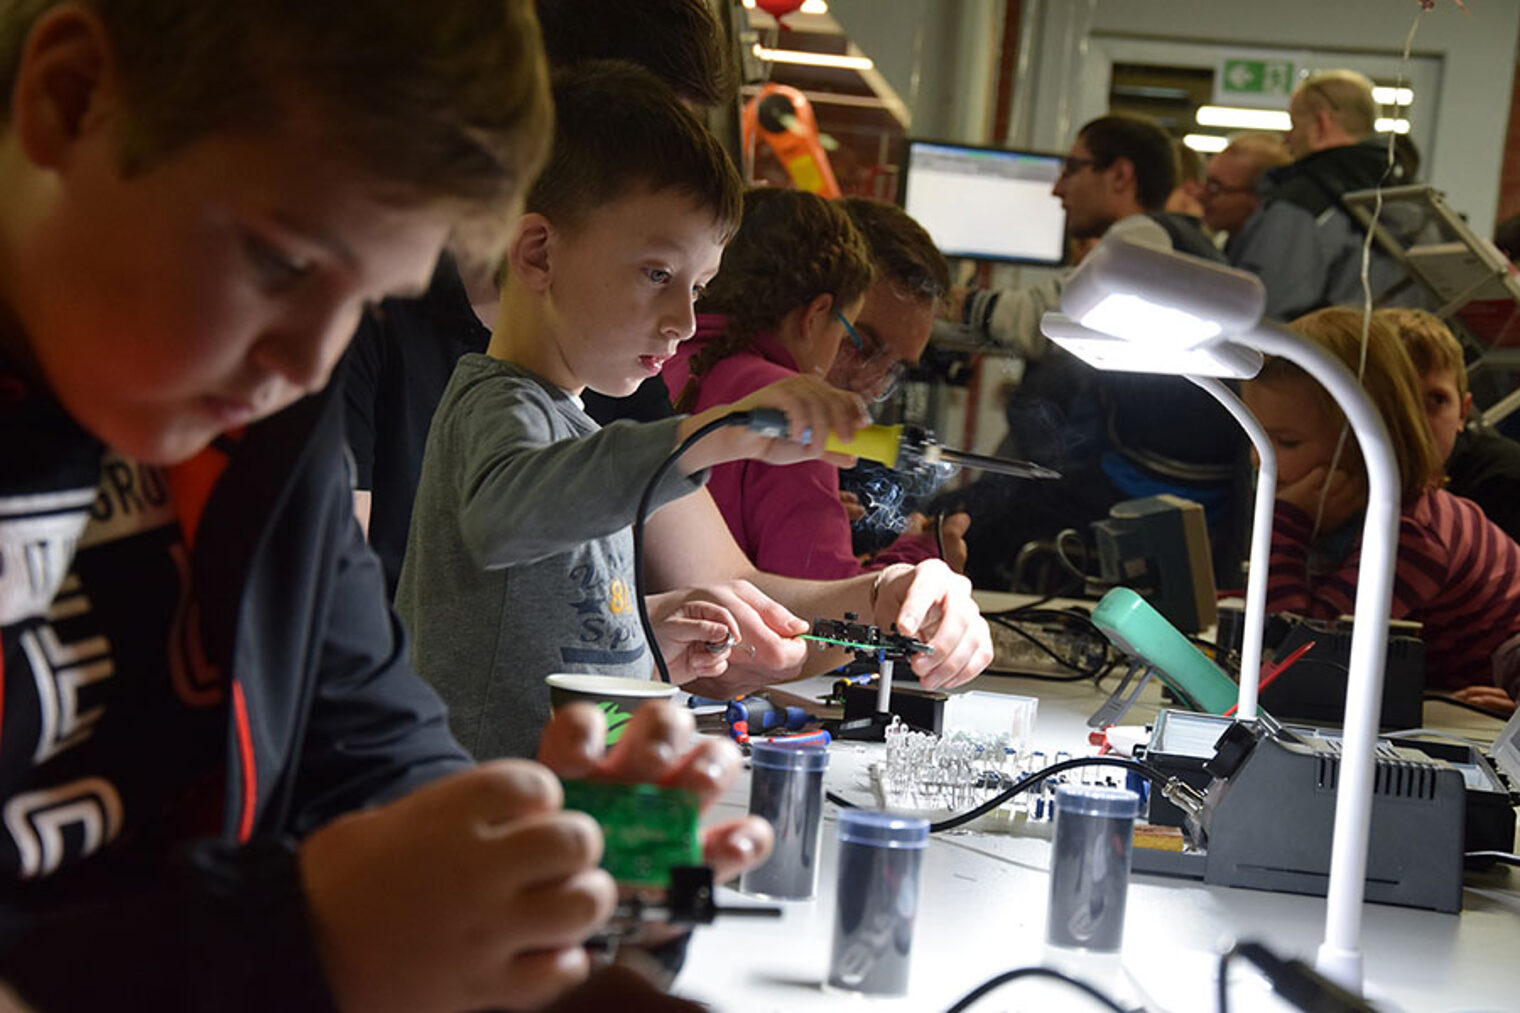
<point>1366,279</point>
<point>1294,980</point>
<point>1079,674</point>
<point>1180,794</point>
<point>1502,857</point>
<point>767,422</point>
<point>998,981</point>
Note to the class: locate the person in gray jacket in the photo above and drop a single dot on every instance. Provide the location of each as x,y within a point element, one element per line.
<point>1302,243</point>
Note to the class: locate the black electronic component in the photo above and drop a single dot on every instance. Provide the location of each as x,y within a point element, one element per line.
<point>1267,825</point>
<point>1230,751</point>
<point>1314,688</point>
<point>1159,546</point>
<point>923,710</point>
<point>689,900</point>
<point>865,639</point>
<point>1294,980</point>
<point>879,651</point>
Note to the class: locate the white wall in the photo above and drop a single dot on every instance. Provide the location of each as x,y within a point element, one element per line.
<point>940,56</point>
<point>1476,51</point>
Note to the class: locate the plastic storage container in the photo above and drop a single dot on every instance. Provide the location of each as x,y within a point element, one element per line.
<point>1089,866</point>
<point>786,790</point>
<point>876,902</point>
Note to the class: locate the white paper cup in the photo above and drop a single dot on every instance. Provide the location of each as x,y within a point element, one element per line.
<point>617,698</point>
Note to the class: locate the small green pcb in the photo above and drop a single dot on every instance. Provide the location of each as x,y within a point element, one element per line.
<point>648,829</point>
<point>853,645</point>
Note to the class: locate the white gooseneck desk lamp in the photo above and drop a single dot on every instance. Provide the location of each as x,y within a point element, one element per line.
<point>1203,366</point>
<point>1172,304</point>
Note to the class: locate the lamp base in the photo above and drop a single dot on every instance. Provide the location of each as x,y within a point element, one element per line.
<point>1342,966</point>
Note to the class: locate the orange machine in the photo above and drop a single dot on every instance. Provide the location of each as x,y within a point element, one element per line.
<point>783,118</point>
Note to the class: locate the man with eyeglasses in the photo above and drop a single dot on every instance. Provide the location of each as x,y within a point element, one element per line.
<point>892,329</point>
<point>1120,170</point>
<point>887,340</point>
<point>1302,243</point>
<point>1230,194</point>
<point>1113,436</point>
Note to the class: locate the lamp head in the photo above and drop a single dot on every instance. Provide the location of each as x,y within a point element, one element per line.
<point>1222,359</point>
<point>1160,298</point>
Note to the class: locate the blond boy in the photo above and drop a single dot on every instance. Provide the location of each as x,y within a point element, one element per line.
<point>519,560</point>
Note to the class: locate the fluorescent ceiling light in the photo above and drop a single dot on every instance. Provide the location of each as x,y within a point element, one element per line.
<point>1398,126</point>
<point>1242,118</point>
<point>1206,142</point>
<point>801,58</point>
<point>1385,96</point>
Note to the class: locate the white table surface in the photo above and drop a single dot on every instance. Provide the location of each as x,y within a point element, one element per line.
<point>982,911</point>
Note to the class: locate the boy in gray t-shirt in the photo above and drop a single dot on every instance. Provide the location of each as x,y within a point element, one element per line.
<point>519,562</point>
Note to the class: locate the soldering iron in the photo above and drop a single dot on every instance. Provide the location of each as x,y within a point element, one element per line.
<point>905,448</point>
<point>900,447</point>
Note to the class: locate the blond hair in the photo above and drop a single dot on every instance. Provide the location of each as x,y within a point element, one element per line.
<point>1346,95</point>
<point>1264,150</point>
<point>448,100</point>
<point>1389,380</point>
<point>1429,342</point>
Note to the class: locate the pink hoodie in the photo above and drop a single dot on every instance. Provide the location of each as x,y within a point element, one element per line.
<point>787,519</point>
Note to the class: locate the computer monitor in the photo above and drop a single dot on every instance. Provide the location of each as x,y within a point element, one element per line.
<point>986,203</point>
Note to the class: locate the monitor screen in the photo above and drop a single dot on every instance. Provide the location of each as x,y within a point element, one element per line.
<point>987,203</point>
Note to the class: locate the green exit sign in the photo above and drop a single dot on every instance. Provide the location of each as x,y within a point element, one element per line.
<point>1255,81</point>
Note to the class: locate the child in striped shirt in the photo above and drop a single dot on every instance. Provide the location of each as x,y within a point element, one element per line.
<point>1457,573</point>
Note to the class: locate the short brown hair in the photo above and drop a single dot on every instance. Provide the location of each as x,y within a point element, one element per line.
<point>792,246</point>
<point>448,99</point>
<point>1264,149</point>
<point>619,128</point>
<point>1145,144</point>
<point>1389,379</point>
<point>902,249</point>
<point>1429,342</point>
<point>679,41</point>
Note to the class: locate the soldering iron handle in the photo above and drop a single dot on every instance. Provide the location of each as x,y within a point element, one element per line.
<point>881,444</point>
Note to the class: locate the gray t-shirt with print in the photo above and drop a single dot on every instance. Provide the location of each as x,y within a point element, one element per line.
<point>520,557</point>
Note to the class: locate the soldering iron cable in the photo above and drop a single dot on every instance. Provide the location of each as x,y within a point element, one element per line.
<point>763,420</point>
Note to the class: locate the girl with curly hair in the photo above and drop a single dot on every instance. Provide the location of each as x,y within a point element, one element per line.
<point>783,301</point>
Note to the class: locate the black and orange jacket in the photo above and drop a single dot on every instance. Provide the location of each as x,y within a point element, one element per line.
<point>325,717</point>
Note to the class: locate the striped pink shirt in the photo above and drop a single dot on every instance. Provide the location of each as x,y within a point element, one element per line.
<point>1458,574</point>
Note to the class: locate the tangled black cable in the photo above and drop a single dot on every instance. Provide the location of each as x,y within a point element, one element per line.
<point>1009,621</point>
<point>1147,771</point>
